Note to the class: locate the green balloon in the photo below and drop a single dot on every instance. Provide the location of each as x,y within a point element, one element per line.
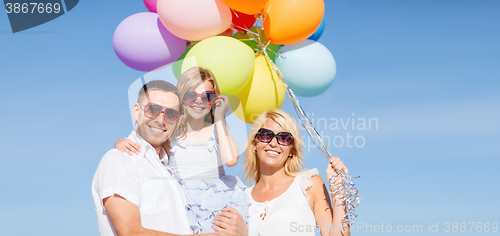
<point>230,60</point>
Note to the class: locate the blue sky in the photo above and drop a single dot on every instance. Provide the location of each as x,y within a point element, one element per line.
<point>426,70</point>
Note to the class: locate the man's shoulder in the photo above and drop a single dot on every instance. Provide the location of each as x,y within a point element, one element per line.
<point>117,164</point>
<point>115,152</point>
<point>115,158</point>
<point>117,173</point>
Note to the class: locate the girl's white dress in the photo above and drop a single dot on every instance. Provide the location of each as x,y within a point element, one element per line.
<point>287,214</point>
<point>198,167</point>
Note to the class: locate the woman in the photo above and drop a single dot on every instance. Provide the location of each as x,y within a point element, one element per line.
<point>285,199</point>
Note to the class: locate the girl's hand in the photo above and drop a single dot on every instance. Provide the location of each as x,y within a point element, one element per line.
<point>221,107</point>
<point>335,164</point>
<point>126,145</point>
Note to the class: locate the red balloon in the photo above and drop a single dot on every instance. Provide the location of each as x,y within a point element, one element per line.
<point>242,21</point>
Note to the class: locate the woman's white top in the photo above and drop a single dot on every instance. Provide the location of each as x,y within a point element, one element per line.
<point>287,214</point>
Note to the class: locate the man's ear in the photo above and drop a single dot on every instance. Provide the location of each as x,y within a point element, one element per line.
<point>135,112</point>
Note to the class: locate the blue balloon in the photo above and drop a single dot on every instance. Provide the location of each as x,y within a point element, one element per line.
<point>319,31</point>
<point>307,67</point>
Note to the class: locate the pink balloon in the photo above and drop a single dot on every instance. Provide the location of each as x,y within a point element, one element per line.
<point>142,42</point>
<point>194,19</point>
<point>150,5</point>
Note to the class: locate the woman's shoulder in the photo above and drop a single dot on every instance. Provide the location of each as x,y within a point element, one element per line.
<point>248,191</point>
<point>309,173</point>
<point>317,190</point>
<point>310,182</point>
<point>308,177</point>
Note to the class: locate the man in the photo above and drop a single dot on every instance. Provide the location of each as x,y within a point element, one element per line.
<point>139,195</point>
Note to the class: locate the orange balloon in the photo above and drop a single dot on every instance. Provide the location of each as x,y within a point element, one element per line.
<point>292,21</point>
<point>250,7</point>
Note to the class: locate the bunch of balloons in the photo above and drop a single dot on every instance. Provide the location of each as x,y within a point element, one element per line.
<point>251,46</point>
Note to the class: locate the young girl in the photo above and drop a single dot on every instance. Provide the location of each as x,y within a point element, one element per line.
<point>202,145</point>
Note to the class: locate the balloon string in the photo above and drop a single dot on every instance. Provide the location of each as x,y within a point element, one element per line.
<point>351,195</point>
<point>304,119</point>
<point>313,133</point>
<point>263,17</point>
<point>250,35</point>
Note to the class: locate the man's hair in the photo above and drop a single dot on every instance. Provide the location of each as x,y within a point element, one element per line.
<point>157,85</point>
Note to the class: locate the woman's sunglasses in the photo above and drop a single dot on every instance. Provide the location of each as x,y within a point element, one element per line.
<point>266,136</point>
<point>152,111</point>
<point>208,97</point>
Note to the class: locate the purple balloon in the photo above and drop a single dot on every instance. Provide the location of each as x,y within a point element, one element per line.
<point>142,42</point>
<point>150,5</point>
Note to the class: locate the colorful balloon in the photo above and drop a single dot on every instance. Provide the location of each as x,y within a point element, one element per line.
<point>264,91</point>
<point>229,32</point>
<point>150,5</point>
<point>194,19</point>
<point>292,21</point>
<point>318,32</point>
<point>250,7</point>
<point>242,21</point>
<point>230,60</point>
<point>142,43</point>
<point>307,67</point>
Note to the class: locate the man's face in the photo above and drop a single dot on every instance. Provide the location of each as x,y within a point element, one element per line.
<point>155,131</point>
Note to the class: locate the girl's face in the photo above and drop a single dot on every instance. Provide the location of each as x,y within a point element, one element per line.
<point>272,154</point>
<point>198,109</point>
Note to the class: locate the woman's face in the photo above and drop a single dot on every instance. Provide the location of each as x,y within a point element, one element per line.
<point>198,109</point>
<point>272,154</point>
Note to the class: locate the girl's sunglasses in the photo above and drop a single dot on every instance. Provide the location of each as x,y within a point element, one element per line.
<point>152,111</point>
<point>266,136</point>
<point>208,97</point>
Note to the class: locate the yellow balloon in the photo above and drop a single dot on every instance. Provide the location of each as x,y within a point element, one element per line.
<point>264,91</point>
<point>230,60</point>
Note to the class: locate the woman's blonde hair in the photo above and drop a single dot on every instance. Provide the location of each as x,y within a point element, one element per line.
<point>189,80</point>
<point>293,164</point>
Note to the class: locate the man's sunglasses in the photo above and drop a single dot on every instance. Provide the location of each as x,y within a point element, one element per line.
<point>152,111</point>
<point>266,136</point>
<point>208,97</point>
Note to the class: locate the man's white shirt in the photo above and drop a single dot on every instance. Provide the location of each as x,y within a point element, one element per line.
<point>144,181</point>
